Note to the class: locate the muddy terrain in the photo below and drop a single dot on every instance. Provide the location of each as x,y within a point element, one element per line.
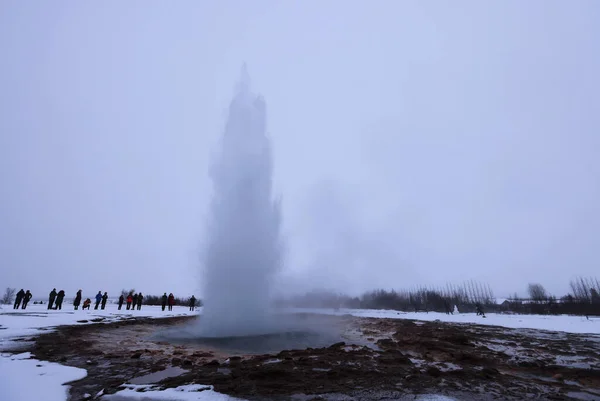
<point>401,358</point>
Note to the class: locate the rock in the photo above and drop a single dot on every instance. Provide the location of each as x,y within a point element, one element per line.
<point>177,352</point>
<point>214,362</point>
<point>187,362</point>
<point>489,372</point>
<point>63,359</point>
<point>91,362</point>
<point>82,321</point>
<point>199,354</point>
<point>433,371</point>
<point>176,361</point>
<point>558,376</point>
<point>337,345</point>
<point>136,355</point>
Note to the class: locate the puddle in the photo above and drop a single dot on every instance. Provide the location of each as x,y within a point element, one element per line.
<point>155,377</point>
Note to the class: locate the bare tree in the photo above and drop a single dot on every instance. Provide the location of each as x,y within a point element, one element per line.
<point>9,295</point>
<point>537,292</point>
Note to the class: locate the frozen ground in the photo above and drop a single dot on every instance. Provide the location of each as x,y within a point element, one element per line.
<point>23,378</point>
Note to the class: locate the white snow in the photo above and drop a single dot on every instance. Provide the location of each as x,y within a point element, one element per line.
<point>22,378</point>
<point>565,323</point>
<point>191,392</point>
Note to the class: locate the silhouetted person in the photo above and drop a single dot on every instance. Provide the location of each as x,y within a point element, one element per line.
<point>86,304</point>
<point>129,301</point>
<point>479,310</point>
<point>77,300</point>
<point>448,310</point>
<point>139,301</point>
<point>121,300</point>
<point>104,298</point>
<point>27,298</point>
<point>192,303</point>
<point>171,301</point>
<point>59,300</point>
<point>51,298</point>
<point>164,301</point>
<point>133,305</point>
<point>98,299</point>
<point>19,298</point>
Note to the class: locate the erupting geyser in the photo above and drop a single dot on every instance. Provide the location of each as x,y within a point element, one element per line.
<point>243,249</point>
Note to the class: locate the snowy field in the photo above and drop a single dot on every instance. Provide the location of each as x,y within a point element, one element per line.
<point>23,378</point>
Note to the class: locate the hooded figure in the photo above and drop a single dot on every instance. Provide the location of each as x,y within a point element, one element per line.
<point>86,304</point>
<point>98,299</point>
<point>27,298</point>
<point>171,301</point>
<point>121,300</point>
<point>19,298</point>
<point>51,298</point>
<point>192,303</point>
<point>139,301</point>
<point>135,296</point>
<point>59,299</point>
<point>77,300</point>
<point>164,301</point>
<point>129,301</point>
<point>104,298</point>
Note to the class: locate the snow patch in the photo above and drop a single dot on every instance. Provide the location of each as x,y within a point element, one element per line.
<point>190,392</point>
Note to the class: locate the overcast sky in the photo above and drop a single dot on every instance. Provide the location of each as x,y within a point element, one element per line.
<point>415,143</point>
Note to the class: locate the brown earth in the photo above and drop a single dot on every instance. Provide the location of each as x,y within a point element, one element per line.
<point>466,361</point>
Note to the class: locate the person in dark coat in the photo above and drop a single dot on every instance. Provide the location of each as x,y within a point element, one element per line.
<point>27,298</point>
<point>171,301</point>
<point>129,301</point>
<point>104,299</point>
<point>192,303</point>
<point>121,300</point>
<point>164,301</point>
<point>98,299</point>
<point>51,298</point>
<point>59,299</point>
<point>19,298</point>
<point>77,300</point>
<point>135,296</point>
<point>139,301</point>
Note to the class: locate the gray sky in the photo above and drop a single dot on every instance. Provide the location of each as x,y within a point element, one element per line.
<point>414,142</point>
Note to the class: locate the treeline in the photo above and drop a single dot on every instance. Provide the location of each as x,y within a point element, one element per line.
<point>583,299</point>
<point>465,296</point>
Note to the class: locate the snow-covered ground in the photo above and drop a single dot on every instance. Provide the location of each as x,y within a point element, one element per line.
<point>23,378</point>
<point>569,324</point>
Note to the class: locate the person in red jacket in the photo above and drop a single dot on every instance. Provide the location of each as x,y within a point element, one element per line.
<point>171,301</point>
<point>129,301</point>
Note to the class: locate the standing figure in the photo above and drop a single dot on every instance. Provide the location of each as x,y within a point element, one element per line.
<point>139,301</point>
<point>27,298</point>
<point>135,296</point>
<point>192,303</point>
<point>129,301</point>
<point>98,299</point>
<point>164,301</point>
<point>19,298</point>
<point>51,298</point>
<point>77,300</point>
<point>104,298</point>
<point>121,299</point>
<point>59,299</point>
<point>171,301</point>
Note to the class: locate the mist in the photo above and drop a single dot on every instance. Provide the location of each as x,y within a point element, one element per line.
<point>413,143</point>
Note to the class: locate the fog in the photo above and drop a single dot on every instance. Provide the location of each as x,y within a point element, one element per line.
<point>413,143</point>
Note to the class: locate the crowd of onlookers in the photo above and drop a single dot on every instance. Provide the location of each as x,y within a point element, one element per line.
<point>131,300</point>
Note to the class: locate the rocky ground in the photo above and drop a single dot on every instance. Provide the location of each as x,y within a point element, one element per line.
<point>404,357</point>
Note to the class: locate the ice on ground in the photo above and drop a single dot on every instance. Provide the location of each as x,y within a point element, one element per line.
<point>190,392</point>
<point>36,319</point>
<point>22,378</point>
<point>565,323</point>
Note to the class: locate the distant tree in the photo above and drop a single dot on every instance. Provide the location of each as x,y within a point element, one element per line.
<point>125,292</point>
<point>537,292</point>
<point>9,295</point>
